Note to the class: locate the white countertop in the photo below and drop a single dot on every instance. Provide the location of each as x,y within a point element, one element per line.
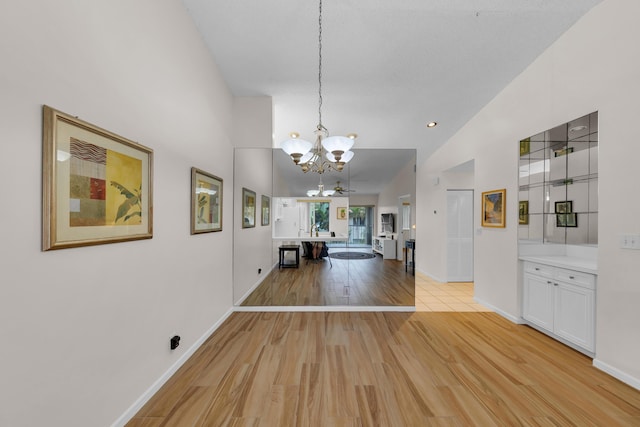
<point>584,265</point>
<point>314,239</point>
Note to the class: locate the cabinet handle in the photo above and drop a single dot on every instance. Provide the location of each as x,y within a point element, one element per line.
<point>571,277</point>
<point>548,282</point>
<point>537,269</point>
<point>555,284</point>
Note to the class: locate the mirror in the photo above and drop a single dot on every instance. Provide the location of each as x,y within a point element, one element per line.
<point>339,224</point>
<point>558,196</point>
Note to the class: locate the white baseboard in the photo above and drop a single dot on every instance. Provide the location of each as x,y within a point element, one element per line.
<point>255,285</point>
<point>617,373</point>
<point>138,404</point>
<point>515,319</point>
<point>437,279</point>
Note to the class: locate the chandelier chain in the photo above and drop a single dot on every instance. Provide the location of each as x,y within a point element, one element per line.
<point>320,127</point>
<point>311,157</point>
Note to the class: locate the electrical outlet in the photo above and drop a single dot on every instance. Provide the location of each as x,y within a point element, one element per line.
<point>174,342</point>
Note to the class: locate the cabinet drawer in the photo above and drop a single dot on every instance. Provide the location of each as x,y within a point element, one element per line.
<point>577,278</point>
<point>538,269</point>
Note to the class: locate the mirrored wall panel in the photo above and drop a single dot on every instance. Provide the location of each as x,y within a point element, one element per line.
<point>558,197</point>
<point>324,231</point>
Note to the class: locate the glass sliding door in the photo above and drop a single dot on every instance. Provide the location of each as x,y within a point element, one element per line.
<point>360,226</point>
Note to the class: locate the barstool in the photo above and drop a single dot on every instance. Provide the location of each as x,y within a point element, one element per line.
<point>283,250</point>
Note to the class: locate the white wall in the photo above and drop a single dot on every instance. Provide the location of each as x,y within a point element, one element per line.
<point>593,67</point>
<point>252,247</point>
<point>363,199</point>
<point>252,137</point>
<point>86,331</point>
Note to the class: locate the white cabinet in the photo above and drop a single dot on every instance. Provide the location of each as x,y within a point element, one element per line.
<point>561,302</point>
<point>385,247</point>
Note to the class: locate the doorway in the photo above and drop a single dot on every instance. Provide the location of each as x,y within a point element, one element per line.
<point>360,226</point>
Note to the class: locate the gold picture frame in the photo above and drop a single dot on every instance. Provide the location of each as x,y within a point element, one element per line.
<point>265,212</point>
<point>493,208</point>
<point>523,212</point>
<point>342,213</point>
<point>248,208</point>
<point>96,185</point>
<point>206,202</point>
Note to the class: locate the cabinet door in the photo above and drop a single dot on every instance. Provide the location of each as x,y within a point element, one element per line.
<point>538,301</point>
<point>574,316</point>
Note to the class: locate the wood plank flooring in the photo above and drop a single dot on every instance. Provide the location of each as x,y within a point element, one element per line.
<point>386,369</point>
<point>366,282</point>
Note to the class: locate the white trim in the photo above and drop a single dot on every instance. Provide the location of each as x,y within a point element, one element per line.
<point>155,387</point>
<point>617,373</point>
<point>437,279</point>
<point>515,319</point>
<point>321,308</point>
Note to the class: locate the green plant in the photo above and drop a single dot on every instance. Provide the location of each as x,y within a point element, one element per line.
<point>132,201</point>
<point>202,202</point>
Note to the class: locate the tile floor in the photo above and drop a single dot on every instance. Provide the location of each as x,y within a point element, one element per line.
<point>436,296</point>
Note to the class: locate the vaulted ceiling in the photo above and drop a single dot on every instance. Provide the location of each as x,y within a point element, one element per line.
<point>388,67</point>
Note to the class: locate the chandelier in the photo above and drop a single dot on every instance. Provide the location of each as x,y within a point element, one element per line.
<point>328,152</point>
<point>320,191</point>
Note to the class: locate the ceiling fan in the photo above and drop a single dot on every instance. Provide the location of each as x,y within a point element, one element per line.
<point>340,190</point>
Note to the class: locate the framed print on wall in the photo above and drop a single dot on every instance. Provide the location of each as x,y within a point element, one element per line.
<point>564,207</point>
<point>523,212</point>
<point>567,220</point>
<point>266,208</point>
<point>96,185</point>
<point>493,208</point>
<point>342,213</point>
<point>206,202</point>
<point>248,208</point>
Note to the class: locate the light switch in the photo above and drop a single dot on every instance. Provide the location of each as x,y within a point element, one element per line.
<point>624,241</point>
<point>629,241</point>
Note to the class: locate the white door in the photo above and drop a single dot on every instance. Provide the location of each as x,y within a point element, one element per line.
<point>460,236</point>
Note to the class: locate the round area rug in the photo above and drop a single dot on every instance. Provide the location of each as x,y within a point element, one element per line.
<point>352,255</point>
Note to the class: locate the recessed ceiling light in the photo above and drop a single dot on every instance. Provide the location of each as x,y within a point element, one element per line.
<point>352,135</point>
<point>577,128</point>
<point>294,135</point>
<point>431,124</point>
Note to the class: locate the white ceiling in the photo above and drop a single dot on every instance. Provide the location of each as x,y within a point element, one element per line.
<point>388,67</point>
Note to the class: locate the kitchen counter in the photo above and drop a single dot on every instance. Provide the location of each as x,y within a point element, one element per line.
<point>313,239</point>
<point>584,265</point>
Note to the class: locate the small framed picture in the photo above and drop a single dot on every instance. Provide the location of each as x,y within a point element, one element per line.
<point>342,213</point>
<point>523,212</point>
<point>266,208</point>
<point>206,202</point>
<point>567,220</point>
<point>564,207</point>
<point>248,208</point>
<point>493,208</point>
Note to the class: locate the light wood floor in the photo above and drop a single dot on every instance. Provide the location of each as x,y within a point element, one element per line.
<point>367,282</point>
<point>387,369</point>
